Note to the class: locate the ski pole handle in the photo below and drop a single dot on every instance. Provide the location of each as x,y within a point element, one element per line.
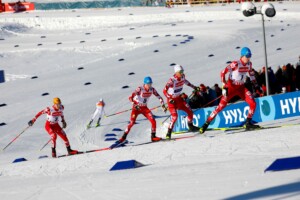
<point>15,138</point>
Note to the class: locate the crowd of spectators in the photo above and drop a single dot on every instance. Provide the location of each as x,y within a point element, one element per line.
<point>285,79</point>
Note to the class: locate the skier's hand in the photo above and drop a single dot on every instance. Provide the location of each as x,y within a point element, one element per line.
<point>171,101</point>
<point>64,124</point>
<point>184,96</point>
<point>164,108</point>
<point>225,91</point>
<point>31,122</point>
<point>137,107</point>
<point>197,89</point>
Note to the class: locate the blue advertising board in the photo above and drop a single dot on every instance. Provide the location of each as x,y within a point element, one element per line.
<point>268,108</point>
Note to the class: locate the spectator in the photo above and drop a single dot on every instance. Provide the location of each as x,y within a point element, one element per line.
<point>205,95</point>
<point>196,100</point>
<point>297,73</point>
<point>279,78</point>
<point>212,95</point>
<point>218,90</point>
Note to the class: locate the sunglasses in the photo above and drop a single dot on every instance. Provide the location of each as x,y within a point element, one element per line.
<point>181,72</point>
<point>248,56</point>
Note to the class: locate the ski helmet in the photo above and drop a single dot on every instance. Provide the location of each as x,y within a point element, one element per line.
<point>56,100</point>
<point>148,80</point>
<point>245,51</point>
<point>178,68</point>
<point>100,99</point>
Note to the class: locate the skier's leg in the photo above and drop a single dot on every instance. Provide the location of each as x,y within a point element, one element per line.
<point>223,103</point>
<point>53,139</point>
<point>174,116</point>
<point>148,114</point>
<point>98,122</point>
<point>186,108</point>
<point>252,106</point>
<point>133,116</point>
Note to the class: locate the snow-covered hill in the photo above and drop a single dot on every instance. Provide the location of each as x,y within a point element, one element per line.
<point>55,45</point>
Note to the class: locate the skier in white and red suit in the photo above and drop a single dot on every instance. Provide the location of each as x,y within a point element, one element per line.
<point>139,99</point>
<point>173,91</point>
<point>52,127</point>
<point>234,86</point>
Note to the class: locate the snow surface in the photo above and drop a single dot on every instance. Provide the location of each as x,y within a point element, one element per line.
<point>214,166</point>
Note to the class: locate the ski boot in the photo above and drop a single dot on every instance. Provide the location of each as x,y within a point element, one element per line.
<point>71,151</point>
<point>192,128</point>
<point>169,133</point>
<point>53,152</point>
<point>154,138</point>
<point>89,125</point>
<point>123,138</point>
<point>98,122</point>
<point>204,127</point>
<point>250,126</point>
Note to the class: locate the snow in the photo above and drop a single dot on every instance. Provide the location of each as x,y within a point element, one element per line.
<point>214,166</point>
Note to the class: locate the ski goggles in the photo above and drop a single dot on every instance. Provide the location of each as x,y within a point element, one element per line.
<point>181,72</point>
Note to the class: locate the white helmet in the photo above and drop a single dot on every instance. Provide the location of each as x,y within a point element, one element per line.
<point>178,68</point>
<point>100,99</point>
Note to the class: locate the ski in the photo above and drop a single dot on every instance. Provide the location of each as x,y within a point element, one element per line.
<point>242,129</point>
<point>65,155</point>
<point>208,129</point>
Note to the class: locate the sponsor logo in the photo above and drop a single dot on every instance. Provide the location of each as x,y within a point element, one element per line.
<point>290,106</point>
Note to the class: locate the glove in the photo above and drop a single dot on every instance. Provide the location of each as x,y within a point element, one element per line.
<point>184,96</point>
<point>171,101</point>
<point>31,122</point>
<point>64,124</point>
<point>164,108</point>
<point>224,91</point>
<point>197,89</point>
<point>137,107</point>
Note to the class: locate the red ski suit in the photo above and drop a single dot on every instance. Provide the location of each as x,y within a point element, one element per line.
<point>52,126</point>
<point>173,91</point>
<point>140,98</point>
<point>235,86</point>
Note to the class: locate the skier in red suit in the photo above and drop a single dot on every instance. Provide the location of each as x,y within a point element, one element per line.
<point>52,127</point>
<point>235,86</point>
<point>139,99</point>
<point>173,92</point>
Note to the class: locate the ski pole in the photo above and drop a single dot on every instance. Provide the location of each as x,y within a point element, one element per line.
<point>165,119</point>
<point>15,138</point>
<point>155,107</point>
<point>118,112</point>
<point>129,110</point>
<point>45,145</point>
<point>209,102</point>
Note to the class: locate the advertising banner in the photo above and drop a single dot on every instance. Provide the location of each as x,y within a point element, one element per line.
<point>267,108</point>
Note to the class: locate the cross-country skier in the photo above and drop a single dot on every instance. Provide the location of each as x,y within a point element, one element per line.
<point>139,99</point>
<point>173,91</point>
<point>52,127</point>
<point>234,86</point>
<point>99,111</point>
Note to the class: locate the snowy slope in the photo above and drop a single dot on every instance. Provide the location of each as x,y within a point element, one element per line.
<point>217,166</point>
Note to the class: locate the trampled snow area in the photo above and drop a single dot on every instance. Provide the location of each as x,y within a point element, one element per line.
<point>53,45</point>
